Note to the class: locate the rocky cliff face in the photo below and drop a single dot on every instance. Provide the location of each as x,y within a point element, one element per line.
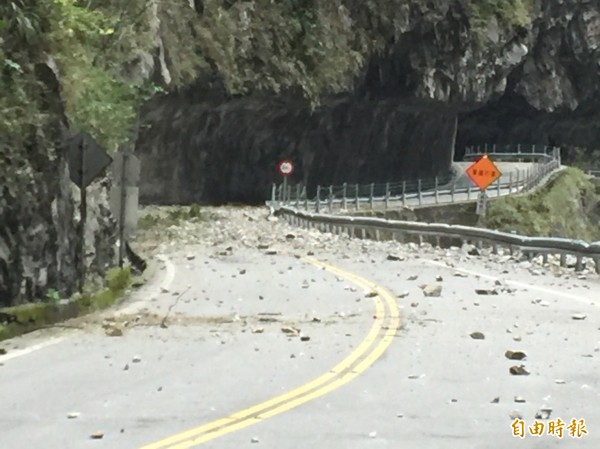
<point>553,97</point>
<point>532,80</point>
<point>39,240</point>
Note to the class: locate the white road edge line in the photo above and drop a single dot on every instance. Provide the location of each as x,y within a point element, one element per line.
<point>166,283</point>
<point>170,275</point>
<point>20,352</point>
<point>516,283</point>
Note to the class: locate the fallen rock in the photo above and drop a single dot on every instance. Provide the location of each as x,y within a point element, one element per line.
<point>495,400</point>
<point>560,382</point>
<point>254,440</point>
<point>432,290</point>
<point>473,251</point>
<point>459,274</point>
<point>258,330</point>
<point>290,331</point>
<point>439,278</point>
<point>97,435</point>
<point>372,294</point>
<point>73,415</point>
<point>518,370</point>
<point>190,257</point>
<point>395,258</point>
<point>579,316</point>
<point>543,413</point>
<point>486,291</point>
<point>403,295</point>
<point>114,331</point>
<point>304,338</point>
<point>519,399</point>
<point>136,359</point>
<point>412,278</point>
<point>515,355</point>
<point>515,414</point>
<point>477,336</point>
<point>2,351</point>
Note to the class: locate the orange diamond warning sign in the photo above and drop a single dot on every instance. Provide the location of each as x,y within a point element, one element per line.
<point>483,172</point>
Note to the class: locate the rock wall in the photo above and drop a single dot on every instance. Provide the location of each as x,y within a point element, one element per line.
<point>554,96</point>
<point>534,83</point>
<point>39,212</point>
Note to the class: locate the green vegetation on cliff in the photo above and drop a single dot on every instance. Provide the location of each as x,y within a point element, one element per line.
<point>112,54</point>
<point>506,12</point>
<point>568,206</point>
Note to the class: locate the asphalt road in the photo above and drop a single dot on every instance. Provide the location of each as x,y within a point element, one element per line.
<point>222,348</point>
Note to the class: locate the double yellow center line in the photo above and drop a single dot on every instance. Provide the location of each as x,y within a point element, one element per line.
<point>380,336</point>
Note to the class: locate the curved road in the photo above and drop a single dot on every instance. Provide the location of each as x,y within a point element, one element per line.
<point>211,357</point>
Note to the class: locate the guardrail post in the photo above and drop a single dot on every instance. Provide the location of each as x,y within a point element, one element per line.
<point>452,193</point>
<point>498,187</point>
<point>318,201</point>
<point>579,264</point>
<point>330,199</point>
<point>305,194</point>
<point>344,191</point>
<point>563,259</point>
<point>363,233</point>
<point>437,199</point>
<point>371,195</point>
<point>510,183</point>
<point>297,196</point>
<point>357,198</point>
<point>403,193</point>
<point>597,263</point>
<point>387,194</point>
<point>519,148</point>
<point>419,191</point>
<point>273,190</point>
<point>469,191</point>
<point>289,194</point>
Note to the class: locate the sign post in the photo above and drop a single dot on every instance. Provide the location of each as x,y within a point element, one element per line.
<point>483,173</point>
<point>285,168</point>
<point>87,159</point>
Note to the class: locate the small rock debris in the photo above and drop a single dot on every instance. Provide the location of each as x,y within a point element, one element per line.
<point>477,336</point>
<point>515,355</point>
<point>432,290</point>
<point>518,370</point>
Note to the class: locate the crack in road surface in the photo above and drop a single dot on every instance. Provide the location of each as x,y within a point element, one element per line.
<point>386,325</point>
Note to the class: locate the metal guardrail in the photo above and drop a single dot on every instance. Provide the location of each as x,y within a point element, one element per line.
<point>379,229</point>
<point>415,194</point>
<point>594,173</point>
<point>512,151</point>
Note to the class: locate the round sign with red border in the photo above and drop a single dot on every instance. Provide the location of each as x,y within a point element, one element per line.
<point>285,167</point>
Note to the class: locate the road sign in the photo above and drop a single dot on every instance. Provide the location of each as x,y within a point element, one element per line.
<point>483,172</point>
<point>285,167</point>
<point>86,159</point>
